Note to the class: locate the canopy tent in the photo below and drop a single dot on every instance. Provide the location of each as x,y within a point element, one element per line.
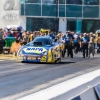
<point>16,27</point>
<point>98,31</point>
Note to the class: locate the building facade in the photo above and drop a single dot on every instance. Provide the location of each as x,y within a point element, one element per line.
<point>10,14</point>
<point>61,15</point>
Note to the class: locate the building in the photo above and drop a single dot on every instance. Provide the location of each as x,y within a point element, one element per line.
<point>57,15</point>
<point>10,13</point>
<point>61,15</point>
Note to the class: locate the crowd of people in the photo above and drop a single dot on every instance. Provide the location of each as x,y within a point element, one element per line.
<point>84,43</point>
<point>73,42</point>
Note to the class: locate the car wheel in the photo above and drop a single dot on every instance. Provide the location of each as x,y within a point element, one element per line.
<point>23,61</point>
<point>59,59</point>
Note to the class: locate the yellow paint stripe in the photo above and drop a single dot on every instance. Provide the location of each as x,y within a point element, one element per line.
<point>7,57</point>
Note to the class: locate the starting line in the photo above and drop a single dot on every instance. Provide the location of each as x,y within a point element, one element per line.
<point>2,60</point>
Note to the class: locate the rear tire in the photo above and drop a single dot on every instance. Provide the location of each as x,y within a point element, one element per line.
<point>59,59</point>
<point>23,61</point>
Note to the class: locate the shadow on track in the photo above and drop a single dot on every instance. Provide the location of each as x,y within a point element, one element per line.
<point>67,62</point>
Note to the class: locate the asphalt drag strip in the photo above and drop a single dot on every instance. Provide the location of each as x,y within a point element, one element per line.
<point>21,79</point>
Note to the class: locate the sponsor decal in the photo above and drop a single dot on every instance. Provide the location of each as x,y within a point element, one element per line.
<point>34,50</point>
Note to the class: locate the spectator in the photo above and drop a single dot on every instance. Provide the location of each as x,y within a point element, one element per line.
<point>69,44</point>
<point>76,44</point>
<point>91,45</point>
<point>2,43</point>
<point>1,34</point>
<point>31,36</point>
<point>84,45</point>
<point>24,38</point>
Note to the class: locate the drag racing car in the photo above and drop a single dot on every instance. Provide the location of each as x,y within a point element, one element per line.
<point>41,49</point>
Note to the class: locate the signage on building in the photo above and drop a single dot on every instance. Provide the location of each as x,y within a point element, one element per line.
<point>11,5</point>
<point>11,17</point>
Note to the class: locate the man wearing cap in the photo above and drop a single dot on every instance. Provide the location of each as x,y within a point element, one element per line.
<point>84,45</point>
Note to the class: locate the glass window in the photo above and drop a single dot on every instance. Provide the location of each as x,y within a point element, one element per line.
<point>33,1</point>
<point>61,1</point>
<point>50,1</point>
<point>42,41</point>
<point>73,11</point>
<point>45,23</point>
<point>22,9</point>
<point>33,9</point>
<point>74,25</point>
<point>22,1</point>
<point>61,11</point>
<point>91,11</point>
<point>29,24</point>
<point>49,10</point>
<point>91,2</point>
<point>74,1</point>
<point>90,25</point>
<point>71,25</point>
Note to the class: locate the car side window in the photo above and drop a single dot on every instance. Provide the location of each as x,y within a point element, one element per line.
<point>47,42</point>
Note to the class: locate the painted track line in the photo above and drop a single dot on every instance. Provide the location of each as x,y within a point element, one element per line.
<point>2,60</point>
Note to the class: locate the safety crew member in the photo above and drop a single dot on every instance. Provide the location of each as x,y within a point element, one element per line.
<point>69,44</point>
<point>84,45</point>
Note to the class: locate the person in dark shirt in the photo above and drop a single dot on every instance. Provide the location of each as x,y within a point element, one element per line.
<point>69,44</point>
<point>84,45</point>
<point>2,42</point>
<point>1,34</point>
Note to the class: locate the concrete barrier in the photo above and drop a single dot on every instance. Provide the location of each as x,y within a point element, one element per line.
<point>79,88</point>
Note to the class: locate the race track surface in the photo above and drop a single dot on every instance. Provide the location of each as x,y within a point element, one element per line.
<point>21,79</point>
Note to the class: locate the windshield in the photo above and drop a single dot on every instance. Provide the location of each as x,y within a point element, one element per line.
<point>40,42</point>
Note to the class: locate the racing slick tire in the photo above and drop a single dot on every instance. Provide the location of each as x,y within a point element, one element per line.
<point>59,59</point>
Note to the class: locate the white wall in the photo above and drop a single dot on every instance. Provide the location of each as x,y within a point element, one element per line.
<point>62,24</point>
<point>9,13</point>
<point>23,22</point>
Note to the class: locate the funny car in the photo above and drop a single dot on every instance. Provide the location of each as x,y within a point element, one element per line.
<point>41,49</point>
